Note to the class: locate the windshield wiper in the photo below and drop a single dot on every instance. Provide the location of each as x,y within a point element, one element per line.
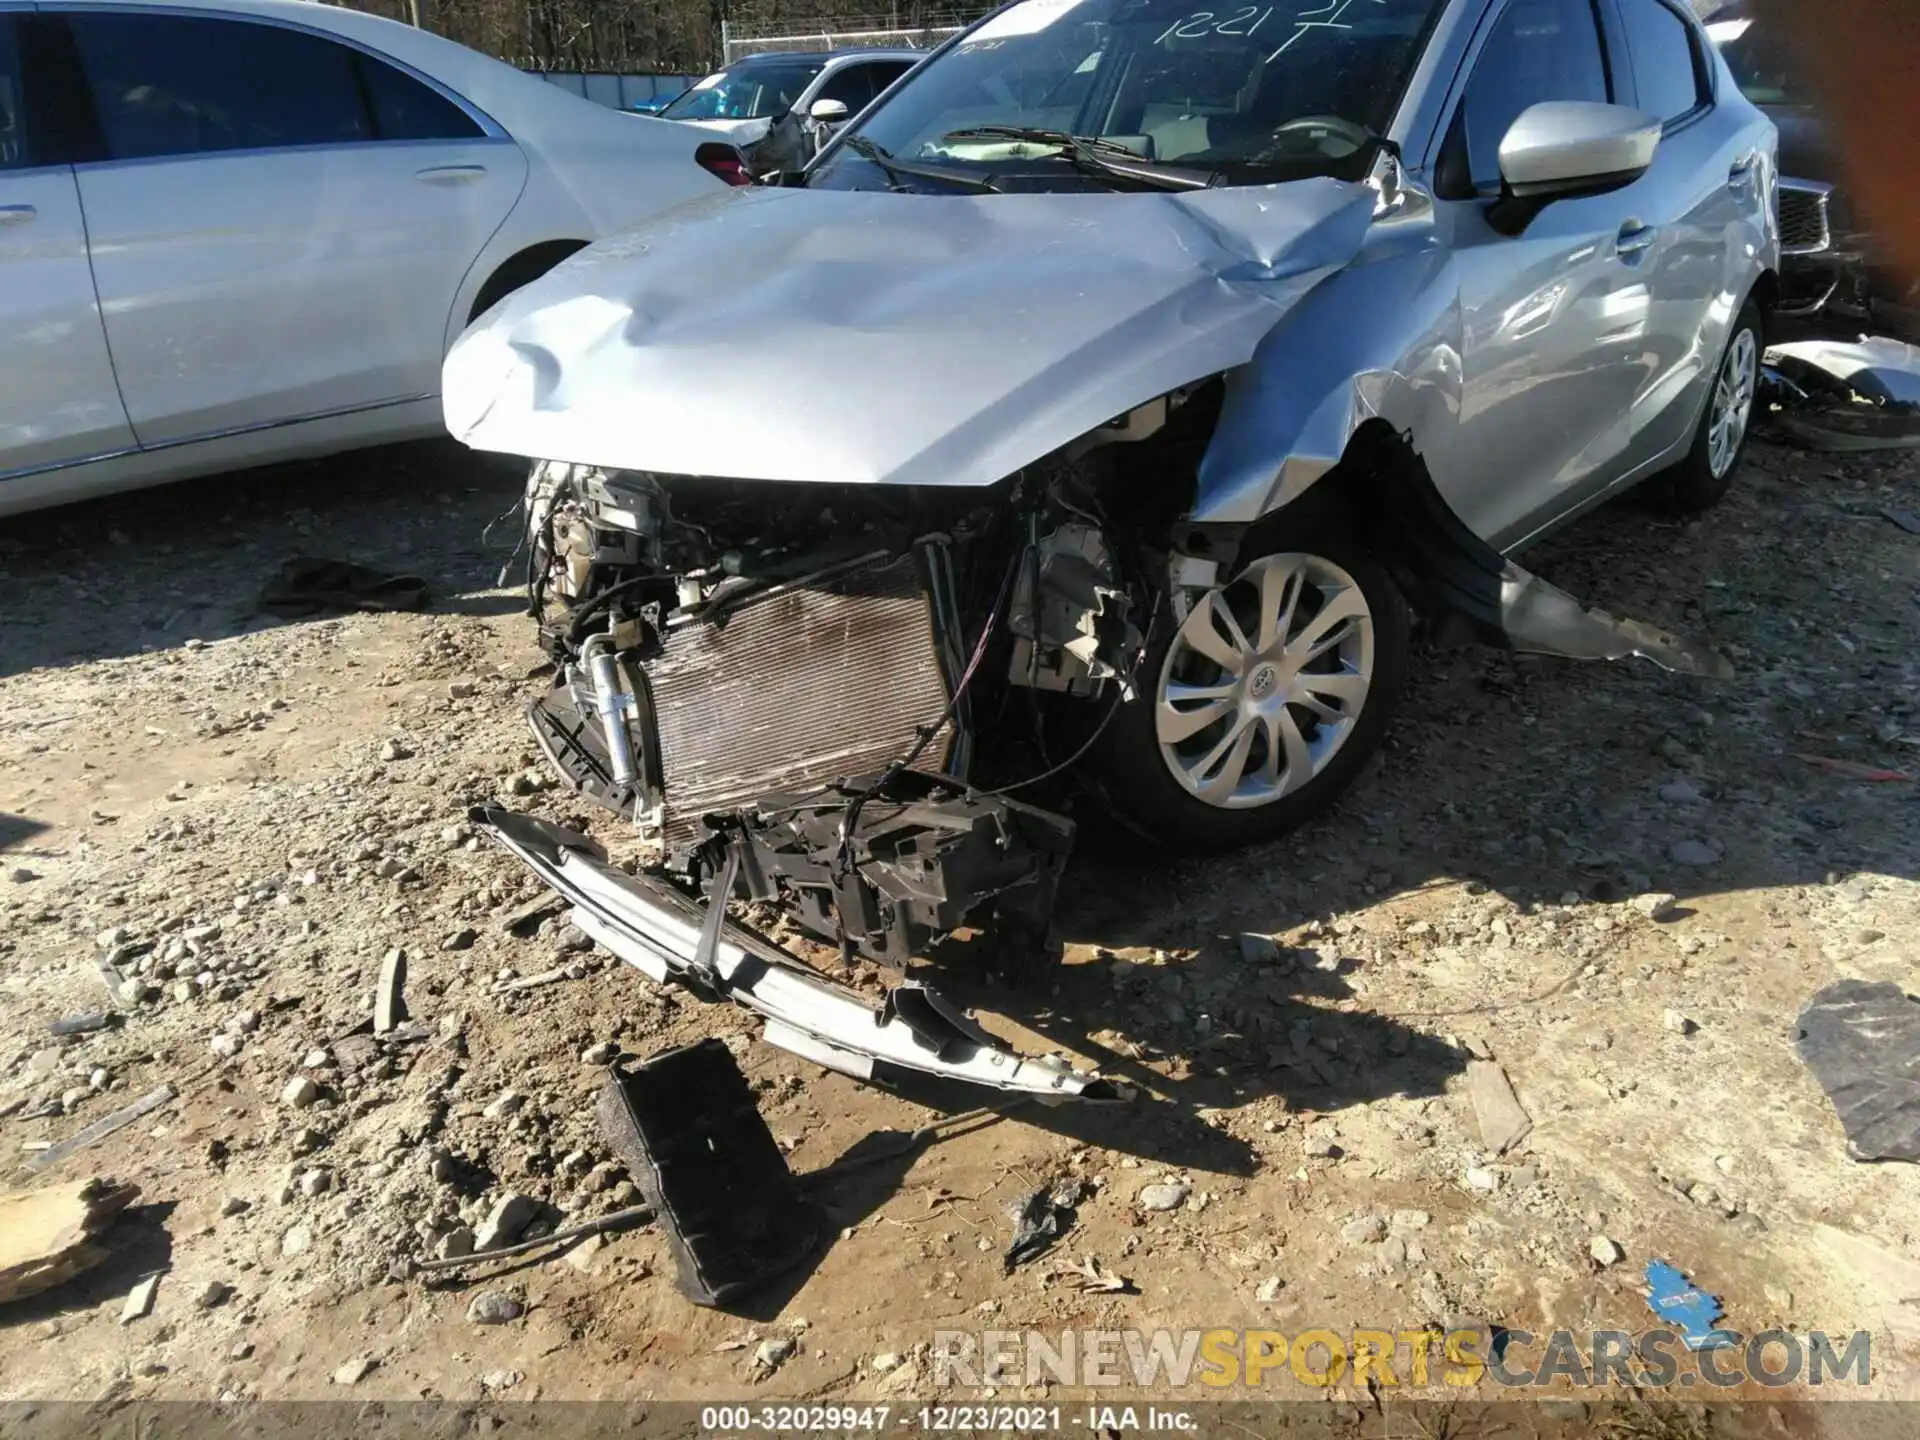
<point>1094,155</point>
<point>867,150</point>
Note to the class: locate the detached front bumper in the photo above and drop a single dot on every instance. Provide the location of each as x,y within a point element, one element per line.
<point>659,929</point>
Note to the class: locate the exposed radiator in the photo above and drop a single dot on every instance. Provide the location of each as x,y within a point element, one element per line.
<point>795,689</point>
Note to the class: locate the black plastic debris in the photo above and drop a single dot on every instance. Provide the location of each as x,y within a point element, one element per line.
<point>309,586</point>
<point>1862,1042</point>
<point>686,1126</point>
<point>1039,1220</point>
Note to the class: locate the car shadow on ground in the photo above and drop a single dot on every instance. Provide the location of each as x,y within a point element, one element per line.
<point>17,830</point>
<point>153,569</point>
<point>1522,782</point>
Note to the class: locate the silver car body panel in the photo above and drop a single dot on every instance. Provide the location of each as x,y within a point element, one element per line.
<point>826,335</point>
<point>978,333</point>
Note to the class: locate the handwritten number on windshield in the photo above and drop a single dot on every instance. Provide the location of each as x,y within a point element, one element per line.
<point>1249,18</point>
<point>1208,22</point>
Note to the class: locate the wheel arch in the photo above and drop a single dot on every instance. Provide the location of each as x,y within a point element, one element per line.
<point>1766,294</point>
<point>519,269</point>
<point>1381,492</point>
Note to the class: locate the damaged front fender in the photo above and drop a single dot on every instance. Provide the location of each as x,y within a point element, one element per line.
<point>1379,341</point>
<point>662,931</point>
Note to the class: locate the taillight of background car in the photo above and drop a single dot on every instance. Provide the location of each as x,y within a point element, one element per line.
<point>725,161</point>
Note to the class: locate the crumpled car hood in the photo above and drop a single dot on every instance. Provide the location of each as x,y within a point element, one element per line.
<point>854,336</point>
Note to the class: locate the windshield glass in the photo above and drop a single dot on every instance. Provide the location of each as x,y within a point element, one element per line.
<point>1761,67</point>
<point>1247,93</point>
<point>746,92</point>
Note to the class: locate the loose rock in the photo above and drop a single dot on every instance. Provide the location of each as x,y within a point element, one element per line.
<point>1656,905</point>
<point>140,1300</point>
<point>510,1216</point>
<point>495,1307</point>
<point>508,1102</point>
<point>299,1092</point>
<point>770,1355</point>
<point>1167,1195</point>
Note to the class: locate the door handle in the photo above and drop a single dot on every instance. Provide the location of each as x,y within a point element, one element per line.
<point>16,214</point>
<point>1634,240</point>
<point>449,174</point>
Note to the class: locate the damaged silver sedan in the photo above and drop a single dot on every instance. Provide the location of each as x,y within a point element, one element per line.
<point>1103,406</point>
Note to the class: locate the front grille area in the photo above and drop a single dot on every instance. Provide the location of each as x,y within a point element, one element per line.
<point>1803,219</point>
<point>796,689</point>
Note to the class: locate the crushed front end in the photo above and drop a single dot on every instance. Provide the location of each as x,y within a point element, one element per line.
<point>782,687</point>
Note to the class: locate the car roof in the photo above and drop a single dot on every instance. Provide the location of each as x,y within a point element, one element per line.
<point>444,60</point>
<point>868,52</point>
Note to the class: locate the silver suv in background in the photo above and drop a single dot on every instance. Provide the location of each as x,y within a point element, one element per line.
<point>1100,405</point>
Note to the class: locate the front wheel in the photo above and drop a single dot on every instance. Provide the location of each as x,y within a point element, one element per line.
<point>1259,708</point>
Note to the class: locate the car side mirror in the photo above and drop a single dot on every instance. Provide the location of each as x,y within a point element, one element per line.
<point>828,112</point>
<point>1561,149</point>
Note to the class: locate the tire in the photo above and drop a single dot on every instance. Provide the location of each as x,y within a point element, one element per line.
<point>1701,480</point>
<point>1325,570</point>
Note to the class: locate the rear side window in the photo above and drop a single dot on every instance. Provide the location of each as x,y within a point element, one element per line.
<point>1666,67</point>
<point>13,109</point>
<point>1539,50</point>
<point>851,85</point>
<point>405,109</point>
<point>180,85</point>
<point>888,71</point>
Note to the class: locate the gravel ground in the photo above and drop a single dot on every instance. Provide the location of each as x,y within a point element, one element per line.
<point>246,816</point>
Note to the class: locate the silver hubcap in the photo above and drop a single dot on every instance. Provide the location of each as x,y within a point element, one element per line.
<point>1265,681</point>
<point>1732,402</point>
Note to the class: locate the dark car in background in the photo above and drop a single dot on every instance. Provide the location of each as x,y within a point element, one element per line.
<point>1830,275</point>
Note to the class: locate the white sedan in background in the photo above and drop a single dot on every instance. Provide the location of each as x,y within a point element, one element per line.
<point>241,231</point>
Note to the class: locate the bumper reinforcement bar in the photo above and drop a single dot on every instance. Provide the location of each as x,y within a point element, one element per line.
<point>657,928</point>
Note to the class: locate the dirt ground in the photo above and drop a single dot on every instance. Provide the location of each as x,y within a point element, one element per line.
<point>247,814</point>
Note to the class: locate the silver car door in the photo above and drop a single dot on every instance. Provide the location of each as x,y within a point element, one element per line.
<point>264,253</point>
<point>1548,346</point>
<point>1707,178</point>
<point>58,401</point>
